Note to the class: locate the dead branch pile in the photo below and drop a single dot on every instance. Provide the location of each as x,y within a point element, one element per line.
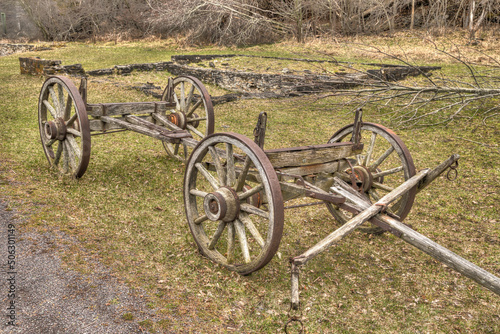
<point>439,99</point>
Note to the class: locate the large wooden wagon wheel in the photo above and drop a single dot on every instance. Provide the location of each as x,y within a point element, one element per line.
<point>193,112</point>
<point>64,126</point>
<point>233,202</point>
<point>384,164</point>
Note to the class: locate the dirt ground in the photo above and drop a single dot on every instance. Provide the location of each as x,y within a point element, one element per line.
<point>40,296</point>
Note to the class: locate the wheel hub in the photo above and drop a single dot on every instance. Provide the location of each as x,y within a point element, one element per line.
<point>364,178</point>
<point>178,118</point>
<point>55,129</point>
<point>222,204</point>
<point>196,123</point>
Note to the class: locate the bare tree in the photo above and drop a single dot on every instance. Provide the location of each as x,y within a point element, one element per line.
<point>440,101</point>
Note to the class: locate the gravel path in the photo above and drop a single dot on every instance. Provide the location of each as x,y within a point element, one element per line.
<point>51,299</point>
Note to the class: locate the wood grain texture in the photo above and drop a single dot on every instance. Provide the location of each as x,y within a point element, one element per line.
<point>309,155</point>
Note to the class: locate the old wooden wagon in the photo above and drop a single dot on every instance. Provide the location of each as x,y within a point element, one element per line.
<point>235,190</point>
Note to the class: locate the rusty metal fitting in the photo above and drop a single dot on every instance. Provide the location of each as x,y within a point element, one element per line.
<point>195,123</point>
<point>178,118</point>
<point>292,320</point>
<point>452,173</point>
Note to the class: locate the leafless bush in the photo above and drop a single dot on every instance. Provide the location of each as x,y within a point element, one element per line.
<point>66,20</point>
<point>215,21</point>
<point>254,21</point>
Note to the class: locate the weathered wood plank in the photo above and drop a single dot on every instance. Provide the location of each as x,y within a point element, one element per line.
<point>142,129</point>
<point>327,167</point>
<point>111,109</point>
<point>310,155</point>
<point>169,133</point>
<point>98,125</point>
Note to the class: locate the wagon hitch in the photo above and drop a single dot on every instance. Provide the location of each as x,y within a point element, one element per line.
<point>373,212</point>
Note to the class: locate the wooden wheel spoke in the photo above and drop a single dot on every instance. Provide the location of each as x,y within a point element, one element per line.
<point>50,142</point>
<point>194,119</point>
<point>72,120</point>
<point>388,172</point>
<point>221,173</point>
<point>245,219</point>
<point>382,186</point>
<point>67,108</point>
<point>253,210</point>
<point>176,148</point>
<point>57,158</point>
<point>74,145</point>
<point>50,108</point>
<point>359,159</point>
<point>195,106</point>
<point>209,177</point>
<point>394,207</point>
<point>370,149</point>
<point>198,193</point>
<point>183,97</point>
<point>177,103</point>
<point>55,101</point>
<point>70,155</point>
<point>243,175</point>
<point>230,169</point>
<point>217,235</point>
<point>73,132</point>
<point>240,232</point>
<point>250,192</point>
<point>189,97</point>
<point>230,242</point>
<point>185,150</point>
<point>373,193</point>
<point>195,130</point>
<point>62,105</point>
<point>382,158</point>
<point>200,219</point>
<point>65,157</point>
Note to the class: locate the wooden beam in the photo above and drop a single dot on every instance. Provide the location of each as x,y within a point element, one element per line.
<point>111,109</point>
<point>310,155</point>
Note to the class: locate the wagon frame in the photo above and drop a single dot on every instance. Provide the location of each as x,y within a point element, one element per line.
<point>235,190</point>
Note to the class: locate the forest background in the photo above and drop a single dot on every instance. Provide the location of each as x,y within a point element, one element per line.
<point>247,22</point>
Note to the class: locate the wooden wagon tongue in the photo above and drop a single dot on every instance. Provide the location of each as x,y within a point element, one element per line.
<point>375,213</point>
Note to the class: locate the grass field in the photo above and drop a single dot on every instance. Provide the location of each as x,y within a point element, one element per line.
<point>127,210</point>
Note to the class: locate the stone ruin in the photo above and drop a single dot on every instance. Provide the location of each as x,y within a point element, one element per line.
<point>243,83</point>
<point>37,66</point>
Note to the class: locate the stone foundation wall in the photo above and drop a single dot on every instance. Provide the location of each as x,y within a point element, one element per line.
<point>280,84</point>
<point>263,84</point>
<point>38,66</point>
